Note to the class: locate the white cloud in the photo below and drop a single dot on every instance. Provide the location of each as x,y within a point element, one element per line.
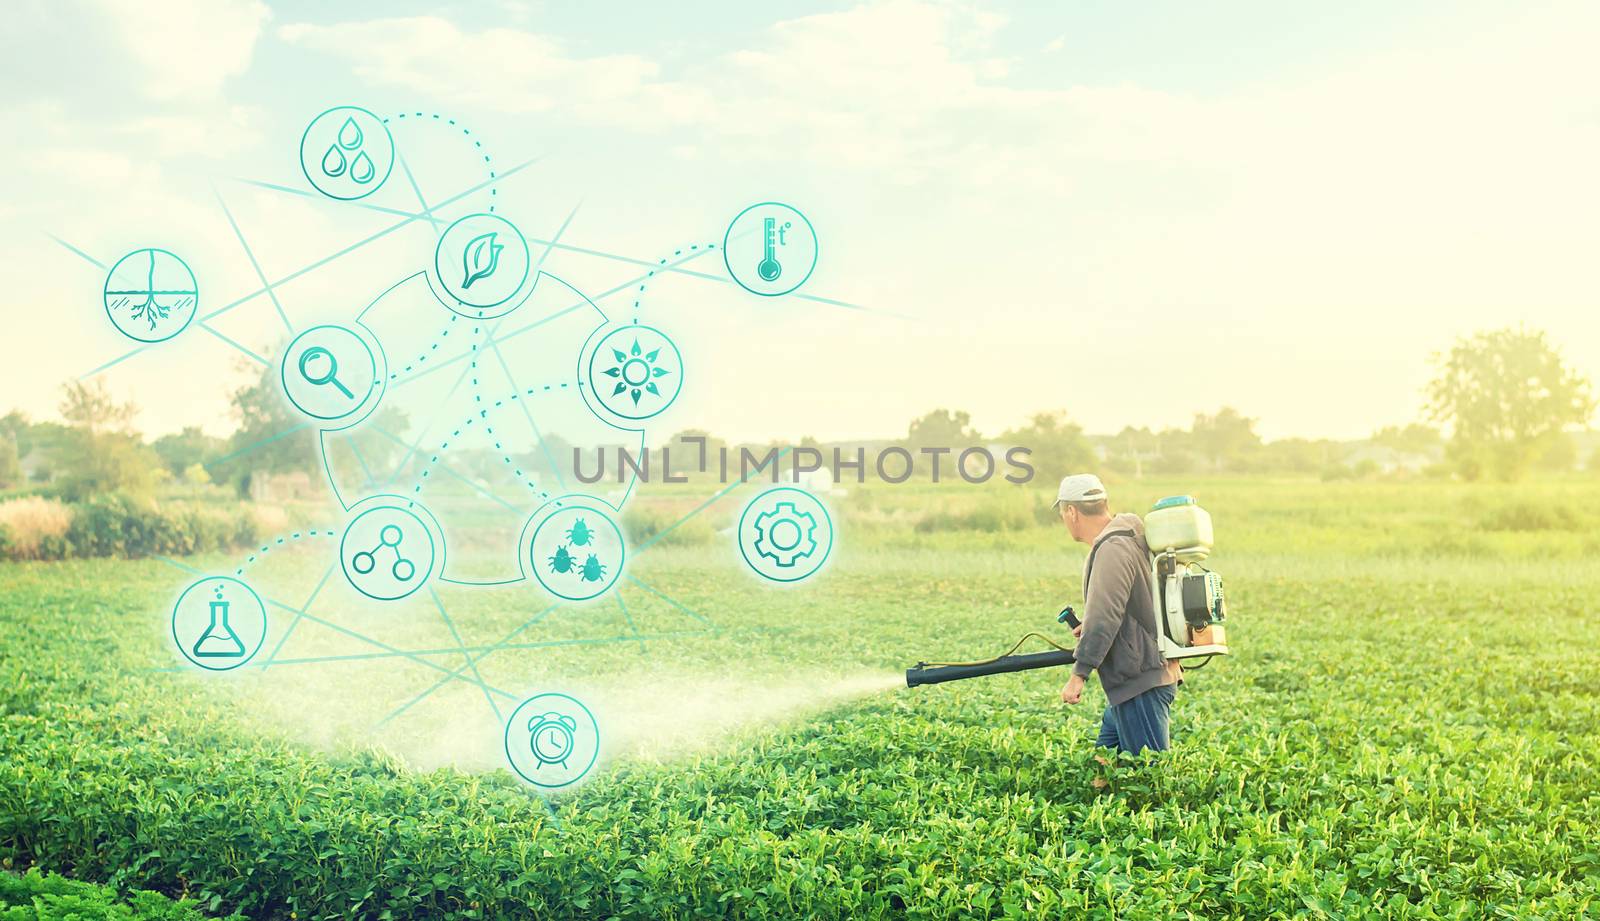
<point>510,70</point>
<point>1389,161</point>
<point>902,86</point>
<point>187,47</point>
<point>215,132</point>
<point>1349,217</point>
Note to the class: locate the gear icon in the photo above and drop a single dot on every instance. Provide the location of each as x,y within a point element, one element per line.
<point>785,534</point>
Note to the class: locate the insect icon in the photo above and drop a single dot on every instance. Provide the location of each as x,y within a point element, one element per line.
<point>580,534</point>
<point>593,570</point>
<point>563,561</point>
<point>577,552</point>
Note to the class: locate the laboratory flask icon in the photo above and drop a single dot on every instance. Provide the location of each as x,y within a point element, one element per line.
<point>219,623</point>
<point>219,641</point>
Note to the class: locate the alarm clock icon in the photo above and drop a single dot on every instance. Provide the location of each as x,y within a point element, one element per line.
<point>551,737</point>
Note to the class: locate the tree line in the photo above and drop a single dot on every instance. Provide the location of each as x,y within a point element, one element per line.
<point>1501,404</point>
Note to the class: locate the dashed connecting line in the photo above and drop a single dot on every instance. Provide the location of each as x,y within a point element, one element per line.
<point>287,538</point>
<point>438,452</point>
<point>438,341</point>
<point>638,297</point>
<point>477,145</point>
<point>531,391</point>
<point>483,414</point>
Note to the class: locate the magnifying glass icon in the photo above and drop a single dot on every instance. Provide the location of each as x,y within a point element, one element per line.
<point>317,351</point>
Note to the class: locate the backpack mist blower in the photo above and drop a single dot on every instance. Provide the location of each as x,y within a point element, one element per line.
<point>1189,603</point>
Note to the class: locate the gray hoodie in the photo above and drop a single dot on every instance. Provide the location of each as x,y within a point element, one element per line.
<point>1119,616</point>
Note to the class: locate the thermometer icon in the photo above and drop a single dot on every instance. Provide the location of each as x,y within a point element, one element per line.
<point>768,268</point>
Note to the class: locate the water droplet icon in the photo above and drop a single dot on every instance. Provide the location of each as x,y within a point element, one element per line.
<point>350,134</point>
<point>362,169</point>
<point>333,162</point>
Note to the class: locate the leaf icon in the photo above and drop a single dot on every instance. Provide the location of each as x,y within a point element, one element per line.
<point>481,258</point>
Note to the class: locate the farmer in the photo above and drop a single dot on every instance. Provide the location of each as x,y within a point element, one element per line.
<point>1118,631</point>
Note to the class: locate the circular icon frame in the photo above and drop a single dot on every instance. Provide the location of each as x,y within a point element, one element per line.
<point>552,718</point>
<point>575,567</point>
<point>613,385</point>
<point>370,555</point>
<point>782,532</point>
<point>350,156</point>
<point>113,298</point>
<point>309,372</point>
<point>480,255</point>
<point>219,658</point>
<point>755,278</point>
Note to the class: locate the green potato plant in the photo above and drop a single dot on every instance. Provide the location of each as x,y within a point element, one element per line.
<point>1410,728</point>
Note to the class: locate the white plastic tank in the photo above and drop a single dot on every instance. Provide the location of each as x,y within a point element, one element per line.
<point>1179,523</point>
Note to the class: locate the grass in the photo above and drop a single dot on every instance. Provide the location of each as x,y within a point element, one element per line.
<point>1410,729</point>
<point>35,896</point>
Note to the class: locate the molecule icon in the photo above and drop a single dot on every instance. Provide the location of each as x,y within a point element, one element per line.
<point>366,560</point>
<point>387,552</point>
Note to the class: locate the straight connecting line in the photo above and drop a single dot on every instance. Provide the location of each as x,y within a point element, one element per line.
<point>471,656</point>
<point>302,614</point>
<point>506,642</point>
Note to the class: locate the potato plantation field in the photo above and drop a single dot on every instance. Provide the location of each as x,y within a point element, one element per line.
<point>1409,727</point>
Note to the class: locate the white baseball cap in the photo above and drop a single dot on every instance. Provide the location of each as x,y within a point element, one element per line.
<point>1080,487</point>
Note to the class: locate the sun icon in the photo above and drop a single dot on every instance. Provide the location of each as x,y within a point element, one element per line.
<point>636,372</point>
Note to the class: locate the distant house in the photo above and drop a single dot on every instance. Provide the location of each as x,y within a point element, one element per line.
<point>36,467</point>
<point>1587,444</point>
<point>284,487</point>
<point>818,482</point>
<point>1390,460</point>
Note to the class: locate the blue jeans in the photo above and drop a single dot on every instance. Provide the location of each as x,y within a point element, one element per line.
<point>1139,723</point>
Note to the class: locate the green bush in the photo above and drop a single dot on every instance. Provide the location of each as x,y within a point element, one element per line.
<point>37,896</point>
<point>120,525</point>
<point>34,528</point>
<point>1360,774</point>
<point>1531,515</point>
<point>644,522</point>
<point>110,525</point>
<point>991,518</point>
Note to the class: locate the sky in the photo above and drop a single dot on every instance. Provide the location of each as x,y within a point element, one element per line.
<point>1131,214</point>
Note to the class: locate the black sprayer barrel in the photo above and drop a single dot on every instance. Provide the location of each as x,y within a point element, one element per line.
<point>923,674</point>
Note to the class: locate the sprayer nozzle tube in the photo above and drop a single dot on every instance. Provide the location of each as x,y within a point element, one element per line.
<point>922,674</point>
